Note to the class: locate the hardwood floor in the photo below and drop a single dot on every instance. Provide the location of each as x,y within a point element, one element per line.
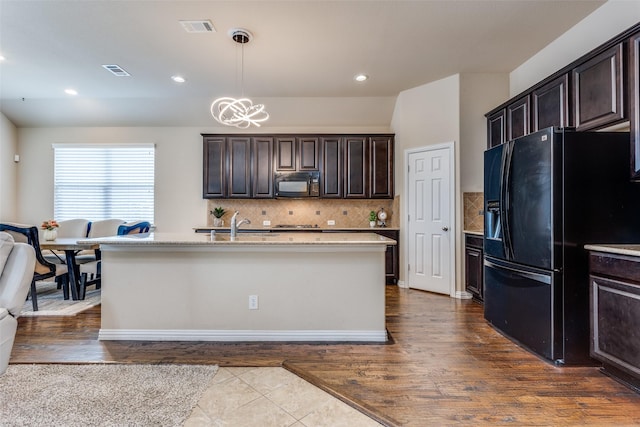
<point>445,366</point>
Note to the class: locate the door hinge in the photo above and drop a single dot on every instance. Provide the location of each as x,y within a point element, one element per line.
<point>408,218</point>
<point>408,267</point>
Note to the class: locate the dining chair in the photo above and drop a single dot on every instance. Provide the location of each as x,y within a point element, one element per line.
<point>104,227</point>
<point>90,272</point>
<point>71,228</point>
<point>43,268</point>
<point>134,227</point>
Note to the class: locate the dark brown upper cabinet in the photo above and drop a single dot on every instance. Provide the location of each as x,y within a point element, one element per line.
<point>368,170</point>
<point>237,167</point>
<point>214,167</point>
<point>496,128</point>
<point>352,166</point>
<point>551,104</point>
<point>381,171</point>
<point>634,104</point>
<point>286,153</point>
<point>262,168</point>
<point>331,182</point>
<point>308,149</point>
<point>356,167</point>
<point>598,87</point>
<point>518,116</point>
<point>297,153</point>
<point>239,149</point>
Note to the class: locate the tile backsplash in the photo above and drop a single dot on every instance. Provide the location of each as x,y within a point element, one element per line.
<point>473,207</point>
<point>345,212</point>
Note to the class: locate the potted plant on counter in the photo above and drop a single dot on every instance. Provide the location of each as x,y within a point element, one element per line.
<point>217,213</point>
<point>372,219</point>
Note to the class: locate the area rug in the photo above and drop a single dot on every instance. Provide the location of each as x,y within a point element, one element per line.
<point>101,395</point>
<point>51,303</point>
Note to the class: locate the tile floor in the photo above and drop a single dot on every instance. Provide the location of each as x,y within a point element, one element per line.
<point>265,397</point>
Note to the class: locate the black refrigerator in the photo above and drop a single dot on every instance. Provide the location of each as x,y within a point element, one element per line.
<point>546,195</point>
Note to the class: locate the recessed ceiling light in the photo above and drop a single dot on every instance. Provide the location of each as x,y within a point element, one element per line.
<point>178,79</point>
<point>2,58</point>
<point>71,91</point>
<point>360,77</point>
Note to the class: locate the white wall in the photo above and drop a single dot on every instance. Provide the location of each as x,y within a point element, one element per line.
<point>8,170</point>
<point>179,204</point>
<point>609,20</point>
<point>479,93</point>
<point>451,109</point>
<point>425,115</point>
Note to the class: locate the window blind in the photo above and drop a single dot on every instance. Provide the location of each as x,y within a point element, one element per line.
<point>104,181</point>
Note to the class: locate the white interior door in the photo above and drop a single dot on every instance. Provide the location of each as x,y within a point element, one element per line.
<point>430,219</point>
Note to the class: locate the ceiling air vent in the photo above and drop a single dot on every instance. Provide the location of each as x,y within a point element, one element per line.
<point>203,26</point>
<point>116,70</point>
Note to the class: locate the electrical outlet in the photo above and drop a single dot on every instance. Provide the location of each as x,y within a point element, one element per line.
<point>331,222</point>
<point>266,223</point>
<point>253,302</point>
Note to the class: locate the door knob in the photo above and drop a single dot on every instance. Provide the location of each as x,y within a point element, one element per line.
<point>445,228</point>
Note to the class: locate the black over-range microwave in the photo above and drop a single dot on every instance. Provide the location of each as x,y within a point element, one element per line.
<point>297,184</point>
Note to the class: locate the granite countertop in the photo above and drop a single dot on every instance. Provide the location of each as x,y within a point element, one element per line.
<point>474,232</point>
<point>245,229</point>
<point>621,249</point>
<point>274,238</point>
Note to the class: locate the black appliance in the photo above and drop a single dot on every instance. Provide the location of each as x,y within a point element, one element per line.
<point>546,195</point>
<point>297,184</point>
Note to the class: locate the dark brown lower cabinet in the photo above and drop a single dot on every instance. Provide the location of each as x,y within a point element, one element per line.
<point>392,260</point>
<point>473,266</point>
<point>615,315</point>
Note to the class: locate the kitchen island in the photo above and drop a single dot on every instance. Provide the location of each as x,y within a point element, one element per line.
<point>256,287</point>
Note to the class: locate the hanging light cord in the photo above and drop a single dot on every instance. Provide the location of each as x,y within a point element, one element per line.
<point>240,113</point>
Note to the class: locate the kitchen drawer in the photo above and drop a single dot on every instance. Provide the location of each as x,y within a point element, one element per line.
<point>614,265</point>
<point>471,240</point>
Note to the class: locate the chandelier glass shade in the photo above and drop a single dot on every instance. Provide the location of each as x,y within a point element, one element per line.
<point>239,112</point>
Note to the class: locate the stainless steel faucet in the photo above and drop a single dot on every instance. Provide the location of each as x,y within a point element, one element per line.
<point>235,224</point>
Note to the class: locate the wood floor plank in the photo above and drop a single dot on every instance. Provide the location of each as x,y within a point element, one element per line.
<point>444,366</point>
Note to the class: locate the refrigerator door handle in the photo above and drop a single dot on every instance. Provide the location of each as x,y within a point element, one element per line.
<point>505,199</point>
<point>538,277</point>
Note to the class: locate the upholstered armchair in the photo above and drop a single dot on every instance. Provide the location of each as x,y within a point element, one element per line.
<point>17,263</point>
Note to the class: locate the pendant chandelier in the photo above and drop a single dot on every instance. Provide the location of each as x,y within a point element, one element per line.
<point>240,112</point>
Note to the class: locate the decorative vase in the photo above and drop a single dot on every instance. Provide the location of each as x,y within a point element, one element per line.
<point>372,224</point>
<point>218,222</point>
<point>50,234</point>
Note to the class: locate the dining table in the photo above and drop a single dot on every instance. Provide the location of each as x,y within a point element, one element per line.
<point>71,246</point>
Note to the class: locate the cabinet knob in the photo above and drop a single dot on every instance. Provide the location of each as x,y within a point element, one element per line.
<point>445,228</point>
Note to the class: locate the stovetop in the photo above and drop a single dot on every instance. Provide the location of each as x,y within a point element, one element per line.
<point>295,226</point>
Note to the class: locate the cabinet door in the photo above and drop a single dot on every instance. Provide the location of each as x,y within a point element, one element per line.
<point>213,170</point>
<point>551,104</point>
<point>598,90</point>
<point>262,167</point>
<point>496,128</point>
<point>356,167</point>
<point>634,104</point>
<point>239,167</point>
<point>308,154</point>
<point>331,163</point>
<point>473,271</point>
<point>518,116</point>
<point>391,259</point>
<point>285,153</point>
<point>381,156</point>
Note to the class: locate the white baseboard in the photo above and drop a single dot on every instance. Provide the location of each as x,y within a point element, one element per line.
<point>401,284</point>
<point>230,336</point>
<point>463,295</point>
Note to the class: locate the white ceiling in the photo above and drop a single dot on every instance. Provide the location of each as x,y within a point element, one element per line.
<point>301,49</point>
